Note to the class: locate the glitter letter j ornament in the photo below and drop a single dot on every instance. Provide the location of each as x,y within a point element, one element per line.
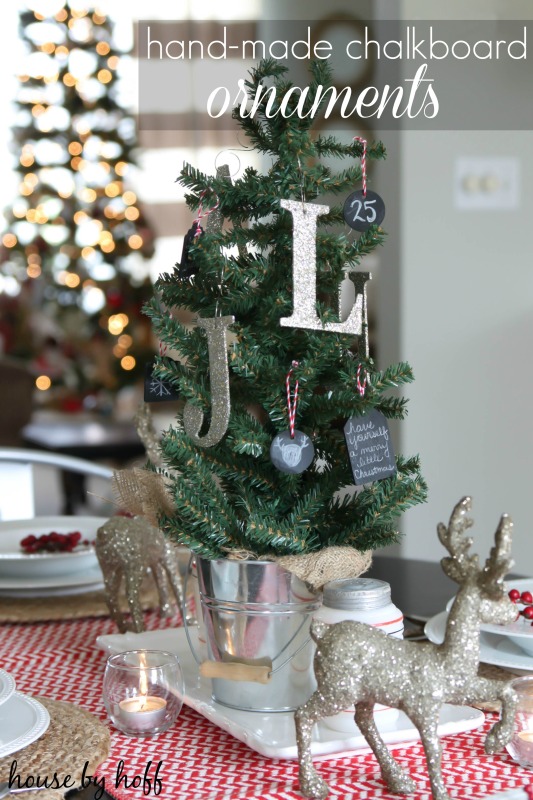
<point>356,664</point>
<point>216,330</point>
<point>304,313</point>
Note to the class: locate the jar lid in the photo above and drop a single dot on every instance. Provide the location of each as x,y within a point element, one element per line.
<point>356,593</point>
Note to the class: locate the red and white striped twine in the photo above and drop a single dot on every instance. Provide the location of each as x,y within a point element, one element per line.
<point>292,402</point>
<point>201,213</point>
<point>363,160</point>
<point>361,384</point>
<point>163,349</point>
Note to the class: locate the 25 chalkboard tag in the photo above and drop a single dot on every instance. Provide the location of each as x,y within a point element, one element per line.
<point>369,447</point>
<point>363,209</point>
<point>157,390</point>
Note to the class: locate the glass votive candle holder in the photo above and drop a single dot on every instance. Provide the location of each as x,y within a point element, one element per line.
<point>143,691</point>
<point>520,748</point>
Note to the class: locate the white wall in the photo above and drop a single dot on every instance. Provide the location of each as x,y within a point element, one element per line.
<point>456,301</point>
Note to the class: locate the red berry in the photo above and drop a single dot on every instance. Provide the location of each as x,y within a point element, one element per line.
<point>514,595</point>
<point>526,597</point>
<point>528,612</point>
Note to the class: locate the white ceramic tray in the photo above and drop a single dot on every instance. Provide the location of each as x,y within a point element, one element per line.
<point>7,686</point>
<point>15,563</point>
<point>273,735</point>
<point>22,721</point>
<point>497,650</point>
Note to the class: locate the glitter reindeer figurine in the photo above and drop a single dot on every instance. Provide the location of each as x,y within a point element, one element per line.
<point>357,665</point>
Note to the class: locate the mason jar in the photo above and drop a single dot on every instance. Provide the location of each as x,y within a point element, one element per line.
<point>362,600</point>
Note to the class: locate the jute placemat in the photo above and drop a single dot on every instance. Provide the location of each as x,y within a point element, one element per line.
<point>77,606</point>
<point>74,738</point>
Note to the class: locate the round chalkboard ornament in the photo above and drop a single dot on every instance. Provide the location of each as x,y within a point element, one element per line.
<point>363,210</point>
<point>290,454</point>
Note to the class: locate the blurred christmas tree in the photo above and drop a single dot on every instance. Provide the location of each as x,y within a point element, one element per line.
<point>76,232</point>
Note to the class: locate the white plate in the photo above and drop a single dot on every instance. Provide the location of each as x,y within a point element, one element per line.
<point>22,721</point>
<point>89,577</point>
<point>14,563</point>
<point>273,735</point>
<point>7,686</point>
<point>497,650</point>
<point>67,591</point>
<point>519,632</point>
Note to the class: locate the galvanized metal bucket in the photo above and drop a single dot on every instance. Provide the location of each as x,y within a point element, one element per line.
<point>256,617</point>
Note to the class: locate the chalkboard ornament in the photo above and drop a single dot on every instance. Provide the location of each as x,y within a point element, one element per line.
<point>369,447</point>
<point>292,454</point>
<point>185,266</point>
<point>157,390</point>
<point>363,209</point>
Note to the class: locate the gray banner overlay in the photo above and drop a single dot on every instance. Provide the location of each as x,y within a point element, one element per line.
<point>416,75</point>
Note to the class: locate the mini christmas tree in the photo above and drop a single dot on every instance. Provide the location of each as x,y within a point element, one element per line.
<point>227,492</point>
<point>76,229</point>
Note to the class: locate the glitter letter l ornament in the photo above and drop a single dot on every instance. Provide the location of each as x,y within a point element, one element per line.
<point>304,313</point>
<point>216,330</point>
<point>356,664</point>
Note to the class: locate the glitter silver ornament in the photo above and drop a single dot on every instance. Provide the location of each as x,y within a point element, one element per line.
<point>304,268</point>
<point>358,665</point>
<point>216,329</point>
<point>126,547</point>
<point>215,219</point>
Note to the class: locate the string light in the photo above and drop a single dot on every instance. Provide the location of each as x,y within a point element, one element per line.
<point>87,253</point>
<point>9,240</point>
<point>80,216</point>
<point>104,76</point>
<point>61,51</point>
<point>38,109</point>
<point>62,15</point>
<point>102,48</point>
<point>113,62</point>
<point>125,340</point>
<point>127,363</point>
<point>48,47</point>
<point>116,323</point>
<point>121,167</point>
<point>75,148</point>
<point>98,19</point>
<point>33,270</point>
<point>43,382</point>
<point>112,189</point>
<point>88,195</point>
<point>129,198</point>
<point>72,280</point>
<point>132,213</point>
<point>69,79</point>
<point>135,241</point>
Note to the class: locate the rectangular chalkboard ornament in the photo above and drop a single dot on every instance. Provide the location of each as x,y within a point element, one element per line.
<point>370,447</point>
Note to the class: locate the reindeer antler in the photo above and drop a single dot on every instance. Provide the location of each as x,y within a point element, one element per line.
<point>460,566</point>
<point>499,561</point>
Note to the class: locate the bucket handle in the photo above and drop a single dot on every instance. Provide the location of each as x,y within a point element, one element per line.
<point>234,670</point>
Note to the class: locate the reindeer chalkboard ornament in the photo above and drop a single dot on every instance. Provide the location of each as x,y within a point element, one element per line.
<point>357,665</point>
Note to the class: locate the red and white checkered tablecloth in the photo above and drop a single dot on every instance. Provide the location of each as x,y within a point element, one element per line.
<point>202,762</point>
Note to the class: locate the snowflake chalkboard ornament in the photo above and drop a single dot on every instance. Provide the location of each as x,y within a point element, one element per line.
<point>157,390</point>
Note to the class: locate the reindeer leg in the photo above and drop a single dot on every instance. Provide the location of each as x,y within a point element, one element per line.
<point>393,775</point>
<point>311,784</point>
<point>133,593</point>
<point>501,732</point>
<point>160,578</point>
<point>426,720</point>
<point>112,581</point>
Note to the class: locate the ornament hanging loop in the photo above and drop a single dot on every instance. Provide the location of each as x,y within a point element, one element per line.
<point>202,214</point>
<point>361,383</point>
<point>363,160</point>
<point>292,397</point>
